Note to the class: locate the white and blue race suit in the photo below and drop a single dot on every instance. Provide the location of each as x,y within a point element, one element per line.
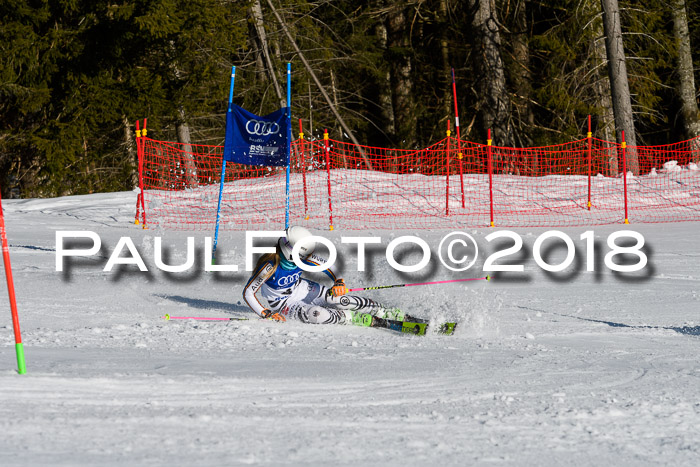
<point>286,292</point>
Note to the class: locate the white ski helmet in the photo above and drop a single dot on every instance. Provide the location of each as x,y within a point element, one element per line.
<point>293,235</point>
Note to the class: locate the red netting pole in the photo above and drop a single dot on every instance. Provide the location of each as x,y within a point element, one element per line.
<point>461,169</point>
<point>139,202</point>
<point>488,149</point>
<point>19,347</point>
<point>138,161</point>
<point>303,170</point>
<point>589,161</point>
<point>460,156</point>
<point>624,172</point>
<point>328,172</point>
<point>447,172</point>
<point>138,209</point>
<point>140,149</point>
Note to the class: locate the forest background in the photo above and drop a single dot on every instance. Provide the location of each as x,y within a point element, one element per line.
<point>76,75</point>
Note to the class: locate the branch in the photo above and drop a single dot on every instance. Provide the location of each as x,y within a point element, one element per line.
<point>320,87</point>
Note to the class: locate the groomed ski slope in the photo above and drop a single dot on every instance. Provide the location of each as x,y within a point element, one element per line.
<point>571,368</point>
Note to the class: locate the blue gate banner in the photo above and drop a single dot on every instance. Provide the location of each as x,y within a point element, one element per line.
<point>255,140</point>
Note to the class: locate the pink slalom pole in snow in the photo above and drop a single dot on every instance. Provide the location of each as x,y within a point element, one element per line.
<point>203,318</point>
<point>486,278</point>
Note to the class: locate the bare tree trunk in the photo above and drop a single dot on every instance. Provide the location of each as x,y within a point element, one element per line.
<point>89,169</point>
<point>335,97</point>
<point>131,151</point>
<point>256,12</point>
<point>401,75</point>
<point>606,116</point>
<point>311,114</point>
<point>686,88</point>
<point>256,47</point>
<point>494,101</point>
<point>318,84</point>
<point>443,20</point>
<point>183,137</point>
<point>335,101</point>
<point>523,76</point>
<point>617,70</point>
<point>385,101</point>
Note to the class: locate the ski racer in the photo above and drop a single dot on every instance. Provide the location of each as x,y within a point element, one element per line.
<point>288,295</point>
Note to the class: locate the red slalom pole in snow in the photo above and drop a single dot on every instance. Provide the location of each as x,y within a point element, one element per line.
<point>486,278</point>
<point>19,347</point>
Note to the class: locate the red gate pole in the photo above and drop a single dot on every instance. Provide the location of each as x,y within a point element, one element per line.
<point>447,172</point>
<point>490,175</point>
<point>141,152</point>
<point>328,173</point>
<point>624,172</point>
<point>138,162</point>
<point>589,161</point>
<point>460,156</point>
<point>303,170</point>
<point>19,347</point>
<point>138,209</point>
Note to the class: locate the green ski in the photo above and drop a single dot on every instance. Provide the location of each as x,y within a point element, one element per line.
<point>409,325</point>
<point>421,328</point>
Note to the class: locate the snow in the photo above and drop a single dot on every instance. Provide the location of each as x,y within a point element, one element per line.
<point>671,166</point>
<point>573,368</point>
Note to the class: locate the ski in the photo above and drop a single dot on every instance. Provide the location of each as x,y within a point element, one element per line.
<point>410,325</point>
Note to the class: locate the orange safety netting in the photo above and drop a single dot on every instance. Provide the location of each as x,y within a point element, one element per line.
<point>452,184</point>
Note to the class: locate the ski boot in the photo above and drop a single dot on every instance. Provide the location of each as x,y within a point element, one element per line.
<point>357,318</point>
<point>392,314</point>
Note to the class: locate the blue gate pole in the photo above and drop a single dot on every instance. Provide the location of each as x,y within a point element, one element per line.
<point>223,169</point>
<point>289,138</point>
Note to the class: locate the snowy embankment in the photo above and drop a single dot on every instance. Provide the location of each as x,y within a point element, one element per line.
<point>577,367</point>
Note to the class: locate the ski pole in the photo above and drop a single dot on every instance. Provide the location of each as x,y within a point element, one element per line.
<point>486,278</point>
<point>168,318</point>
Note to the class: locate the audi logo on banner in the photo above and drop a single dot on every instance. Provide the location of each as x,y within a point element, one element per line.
<point>261,128</point>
